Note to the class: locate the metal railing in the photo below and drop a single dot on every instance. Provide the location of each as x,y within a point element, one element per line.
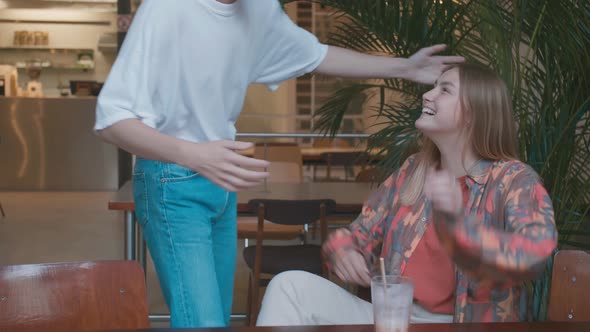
<point>297,135</point>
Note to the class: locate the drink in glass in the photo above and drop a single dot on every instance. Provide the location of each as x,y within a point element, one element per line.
<point>392,299</point>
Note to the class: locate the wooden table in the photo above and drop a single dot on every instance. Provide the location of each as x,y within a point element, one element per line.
<point>466,327</point>
<point>349,197</point>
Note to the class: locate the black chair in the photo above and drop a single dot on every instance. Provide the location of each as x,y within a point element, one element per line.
<point>276,259</point>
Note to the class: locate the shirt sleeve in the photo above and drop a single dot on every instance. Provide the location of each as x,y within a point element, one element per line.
<point>515,253</point>
<point>367,230</point>
<point>288,51</point>
<point>130,91</point>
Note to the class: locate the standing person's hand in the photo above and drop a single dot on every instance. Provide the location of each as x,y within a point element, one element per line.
<point>444,192</point>
<point>425,67</point>
<point>218,162</point>
<point>350,266</point>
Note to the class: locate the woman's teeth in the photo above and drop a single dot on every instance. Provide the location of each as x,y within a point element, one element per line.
<point>428,111</point>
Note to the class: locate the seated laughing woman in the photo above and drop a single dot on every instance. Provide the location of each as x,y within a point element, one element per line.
<point>464,218</point>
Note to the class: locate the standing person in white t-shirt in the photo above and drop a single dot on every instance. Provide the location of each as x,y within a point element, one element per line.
<point>172,99</point>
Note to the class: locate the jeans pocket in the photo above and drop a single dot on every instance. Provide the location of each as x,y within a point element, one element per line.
<point>177,173</point>
<point>140,198</point>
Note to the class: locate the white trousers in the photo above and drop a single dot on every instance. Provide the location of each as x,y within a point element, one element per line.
<point>302,298</point>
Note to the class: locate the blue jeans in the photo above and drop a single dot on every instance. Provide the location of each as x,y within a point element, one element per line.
<point>189,224</point>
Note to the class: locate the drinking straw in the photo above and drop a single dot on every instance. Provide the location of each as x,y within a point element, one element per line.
<point>382,265</point>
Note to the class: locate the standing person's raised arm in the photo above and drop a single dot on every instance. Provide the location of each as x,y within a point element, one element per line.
<point>422,67</point>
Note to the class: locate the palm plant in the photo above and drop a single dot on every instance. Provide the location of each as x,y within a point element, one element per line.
<point>540,47</point>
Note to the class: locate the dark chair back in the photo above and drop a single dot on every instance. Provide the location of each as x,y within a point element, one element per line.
<point>569,299</point>
<point>80,296</point>
<point>292,212</point>
<point>277,259</point>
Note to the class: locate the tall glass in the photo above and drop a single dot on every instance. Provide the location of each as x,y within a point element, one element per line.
<point>392,299</point>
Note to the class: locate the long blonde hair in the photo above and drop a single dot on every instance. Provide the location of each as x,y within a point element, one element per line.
<point>485,100</point>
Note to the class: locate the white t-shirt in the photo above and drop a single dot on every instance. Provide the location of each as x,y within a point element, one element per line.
<point>185,66</point>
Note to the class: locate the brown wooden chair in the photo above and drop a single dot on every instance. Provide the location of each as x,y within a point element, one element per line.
<point>569,299</point>
<point>330,143</point>
<point>80,296</point>
<point>280,152</point>
<point>276,259</point>
<point>368,175</point>
<point>327,142</point>
<point>285,172</point>
<point>347,160</point>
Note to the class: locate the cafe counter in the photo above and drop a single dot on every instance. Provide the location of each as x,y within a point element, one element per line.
<point>49,144</point>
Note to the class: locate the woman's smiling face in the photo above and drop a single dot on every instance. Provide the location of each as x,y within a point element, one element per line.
<point>441,106</point>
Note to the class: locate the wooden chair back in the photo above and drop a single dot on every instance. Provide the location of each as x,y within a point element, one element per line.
<point>569,299</point>
<point>284,172</point>
<point>325,142</point>
<point>368,175</point>
<point>344,159</point>
<point>280,152</point>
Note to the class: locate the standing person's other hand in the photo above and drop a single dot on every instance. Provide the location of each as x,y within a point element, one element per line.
<point>219,162</point>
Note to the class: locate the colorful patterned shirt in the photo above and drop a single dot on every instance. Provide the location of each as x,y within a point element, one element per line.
<point>505,236</point>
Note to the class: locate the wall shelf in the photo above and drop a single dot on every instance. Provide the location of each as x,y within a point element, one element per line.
<point>49,57</point>
<point>59,67</point>
<point>47,49</point>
